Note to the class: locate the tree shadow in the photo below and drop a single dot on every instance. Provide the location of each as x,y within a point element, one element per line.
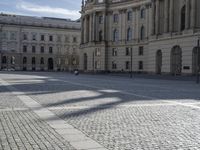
<point>51,83</point>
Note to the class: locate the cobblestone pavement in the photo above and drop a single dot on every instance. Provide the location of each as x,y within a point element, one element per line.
<point>119,113</point>
<point>24,130</point>
<point>21,129</point>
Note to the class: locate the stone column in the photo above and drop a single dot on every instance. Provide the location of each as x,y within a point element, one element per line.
<point>104,25</point>
<point>94,27</point>
<point>171,16</point>
<point>82,30</point>
<point>153,18</point>
<point>157,16</point>
<point>166,23</point>
<point>90,27</point>
<point>85,29</point>
<point>192,16</point>
<point>187,16</point>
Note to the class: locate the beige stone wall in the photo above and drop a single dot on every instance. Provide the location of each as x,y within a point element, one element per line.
<point>167,23</point>
<point>65,49</point>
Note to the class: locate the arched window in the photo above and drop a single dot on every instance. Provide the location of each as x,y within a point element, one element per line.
<point>100,36</point>
<point>142,13</point>
<point>129,34</point>
<point>24,60</point>
<point>4,60</point>
<point>183,18</point>
<point>115,35</point>
<point>142,33</point>
<point>42,61</point>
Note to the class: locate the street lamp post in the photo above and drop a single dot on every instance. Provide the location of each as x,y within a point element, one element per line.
<point>197,63</point>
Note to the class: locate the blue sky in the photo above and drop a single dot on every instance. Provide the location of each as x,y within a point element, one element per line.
<point>42,8</point>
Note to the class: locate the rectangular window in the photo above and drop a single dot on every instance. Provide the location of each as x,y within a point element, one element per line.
<point>42,49</point>
<point>100,19</point>
<point>25,36</point>
<point>12,36</point>
<point>141,51</point>
<point>33,49</point>
<point>33,60</point>
<point>50,50</point>
<point>42,37</point>
<point>142,13</point>
<point>98,52</point>
<point>4,35</point>
<point>97,64</point>
<point>34,37</point>
<point>74,39</point>
<point>140,65</point>
<point>50,38</point>
<point>114,65</point>
<point>42,61</point>
<point>127,63</point>
<point>129,16</point>
<point>24,48</point>
<point>115,18</point>
<point>128,51</point>
<point>114,52</point>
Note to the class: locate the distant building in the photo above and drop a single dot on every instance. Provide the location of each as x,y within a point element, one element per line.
<point>161,35</point>
<point>34,43</point>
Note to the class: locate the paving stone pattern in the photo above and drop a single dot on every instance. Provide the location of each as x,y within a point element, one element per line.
<point>24,130</point>
<point>119,113</point>
<point>165,127</point>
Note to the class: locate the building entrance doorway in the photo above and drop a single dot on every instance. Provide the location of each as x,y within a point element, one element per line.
<point>176,60</point>
<point>50,64</point>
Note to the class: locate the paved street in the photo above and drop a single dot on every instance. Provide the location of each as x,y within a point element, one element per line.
<point>62,111</point>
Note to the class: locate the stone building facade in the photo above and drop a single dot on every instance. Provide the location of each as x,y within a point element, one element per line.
<point>34,43</point>
<point>154,36</point>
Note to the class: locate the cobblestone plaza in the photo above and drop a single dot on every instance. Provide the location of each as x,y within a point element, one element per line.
<point>63,111</point>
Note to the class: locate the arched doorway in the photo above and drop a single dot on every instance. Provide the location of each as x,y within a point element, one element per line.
<point>194,60</point>
<point>176,60</point>
<point>85,61</point>
<point>50,64</point>
<point>159,62</point>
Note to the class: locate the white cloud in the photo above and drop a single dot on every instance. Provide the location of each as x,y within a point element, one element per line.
<point>47,10</point>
